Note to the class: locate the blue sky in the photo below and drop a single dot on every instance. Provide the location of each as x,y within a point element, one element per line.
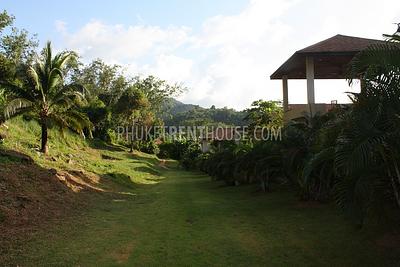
<point>39,16</point>
<point>222,50</point>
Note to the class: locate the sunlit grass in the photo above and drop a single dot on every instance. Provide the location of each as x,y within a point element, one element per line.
<point>71,152</point>
<point>188,220</point>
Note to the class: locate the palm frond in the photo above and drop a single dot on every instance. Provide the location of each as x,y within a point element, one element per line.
<point>54,78</point>
<point>72,119</point>
<point>35,78</point>
<point>16,105</point>
<point>375,60</point>
<point>325,155</point>
<point>17,91</point>
<point>62,58</point>
<point>47,52</point>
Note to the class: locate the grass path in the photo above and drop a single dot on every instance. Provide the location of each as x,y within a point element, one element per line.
<point>188,220</point>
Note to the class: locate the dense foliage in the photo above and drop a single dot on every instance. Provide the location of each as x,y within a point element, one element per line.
<point>60,91</point>
<point>185,151</point>
<point>17,49</point>
<point>264,113</point>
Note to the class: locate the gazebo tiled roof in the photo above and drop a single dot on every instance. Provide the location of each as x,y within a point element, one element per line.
<point>327,59</point>
<point>331,57</point>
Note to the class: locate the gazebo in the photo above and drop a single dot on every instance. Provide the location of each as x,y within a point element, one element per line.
<point>327,59</point>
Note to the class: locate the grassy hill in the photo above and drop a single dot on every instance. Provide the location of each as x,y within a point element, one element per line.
<point>72,153</point>
<point>36,190</point>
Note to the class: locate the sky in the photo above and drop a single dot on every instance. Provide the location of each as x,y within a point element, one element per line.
<point>223,51</point>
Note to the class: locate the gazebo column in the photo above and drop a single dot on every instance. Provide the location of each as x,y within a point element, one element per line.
<point>285,93</point>
<point>310,83</point>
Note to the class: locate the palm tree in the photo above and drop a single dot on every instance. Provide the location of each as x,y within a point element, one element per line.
<point>367,153</point>
<point>43,94</point>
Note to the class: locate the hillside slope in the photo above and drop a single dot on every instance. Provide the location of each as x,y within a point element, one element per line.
<point>37,190</point>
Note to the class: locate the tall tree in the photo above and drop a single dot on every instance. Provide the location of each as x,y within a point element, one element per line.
<point>102,81</point>
<point>17,49</point>
<point>5,20</point>
<point>42,93</point>
<point>157,91</point>
<point>264,113</point>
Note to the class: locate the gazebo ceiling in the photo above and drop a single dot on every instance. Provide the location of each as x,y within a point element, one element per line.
<point>331,58</point>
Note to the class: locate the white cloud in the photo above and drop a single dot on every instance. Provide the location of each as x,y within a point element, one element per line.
<point>172,68</point>
<point>244,46</point>
<point>227,63</point>
<point>119,43</point>
<point>250,26</point>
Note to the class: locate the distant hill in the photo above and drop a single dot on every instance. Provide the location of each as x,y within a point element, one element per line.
<point>178,113</point>
<point>174,106</point>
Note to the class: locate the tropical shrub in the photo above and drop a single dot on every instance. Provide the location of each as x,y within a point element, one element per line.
<point>101,117</point>
<point>168,150</point>
<point>174,149</point>
<point>190,155</point>
<point>148,146</point>
<point>245,163</point>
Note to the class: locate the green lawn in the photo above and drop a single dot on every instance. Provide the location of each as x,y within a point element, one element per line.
<point>184,219</point>
<point>170,217</point>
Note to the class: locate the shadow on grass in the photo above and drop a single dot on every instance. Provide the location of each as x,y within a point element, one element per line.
<point>107,157</point>
<point>99,144</point>
<point>114,180</point>
<point>120,179</point>
<point>149,170</point>
<point>140,158</point>
<point>125,181</point>
<point>11,156</point>
<point>150,165</point>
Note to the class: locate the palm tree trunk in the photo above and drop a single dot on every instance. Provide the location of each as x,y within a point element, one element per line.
<point>44,148</point>
<point>132,136</point>
<point>131,148</point>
